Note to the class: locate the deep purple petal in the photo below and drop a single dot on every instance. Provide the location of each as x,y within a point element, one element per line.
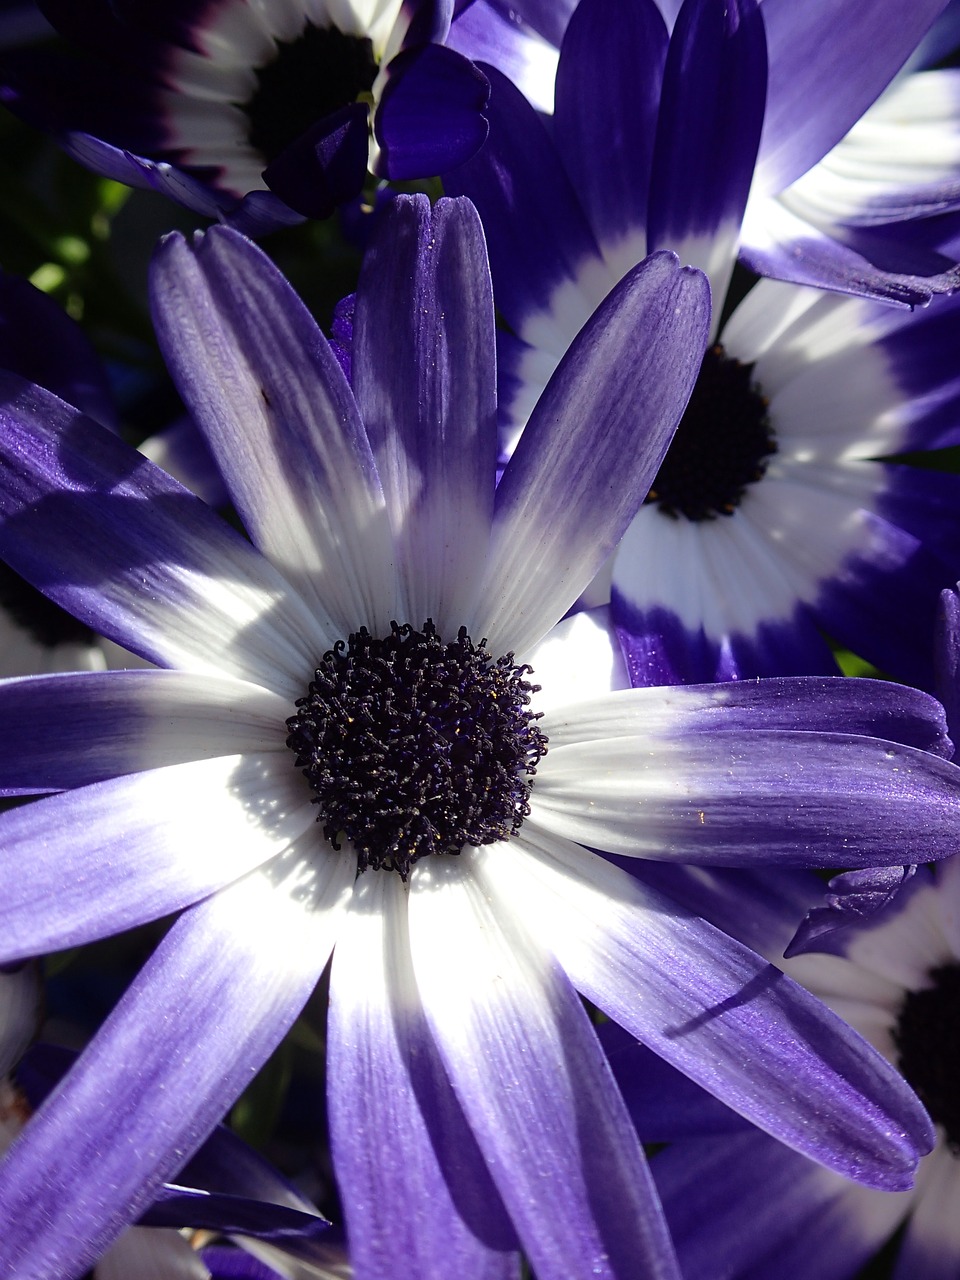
<point>536,229</point>
<point>777,243</point>
<point>661,650</point>
<point>664,1104</point>
<point>431,114</point>
<point>856,899</point>
<point>159,1074</point>
<point>829,61</point>
<point>418,1198</point>
<point>813,704</point>
<point>484,33</point>
<point>608,87</point>
<point>40,342</point>
<point>747,1206</point>
<point>326,166</point>
<point>424,372</point>
<point>581,468</point>
<point>947,657</point>
<point>708,131</point>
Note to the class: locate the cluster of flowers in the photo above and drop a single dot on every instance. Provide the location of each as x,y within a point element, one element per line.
<point>481,662</point>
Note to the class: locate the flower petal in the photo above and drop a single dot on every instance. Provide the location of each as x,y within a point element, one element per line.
<point>872,708</point>
<point>829,60</point>
<point>417,1195</point>
<point>431,113</point>
<point>733,798</point>
<point>122,546</point>
<point>708,131</point>
<point>748,1206</point>
<point>424,370</point>
<point>262,383</point>
<point>719,1013</point>
<point>529,1074</point>
<point>537,231</point>
<point>609,86</point>
<point>581,469</point>
<point>63,731</point>
<point>137,1102</point>
<point>117,853</point>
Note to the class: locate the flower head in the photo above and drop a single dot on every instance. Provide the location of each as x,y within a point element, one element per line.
<point>380,623</point>
<point>261,112</point>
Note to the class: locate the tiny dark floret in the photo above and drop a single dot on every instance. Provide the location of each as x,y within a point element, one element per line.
<point>414,745</point>
<point>927,1036</point>
<point>721,445</point>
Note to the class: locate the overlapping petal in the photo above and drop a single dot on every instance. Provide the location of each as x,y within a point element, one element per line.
<point>706,1003</point>
<point>561,509</point>
<point>530,1077</point>
<point>252,954</point>
<point>427,393</point>
<point>122,546</point>
<point>262,383</point>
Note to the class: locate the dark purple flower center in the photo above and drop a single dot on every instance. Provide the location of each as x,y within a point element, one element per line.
<point>45,622</point>
<point>414,745</point>
<point>927,1036</point>
<point>311,77</point>
<point>721,445</point>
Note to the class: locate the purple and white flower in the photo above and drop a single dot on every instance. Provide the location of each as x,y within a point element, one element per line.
<point>786,119</point>
<point>778,516</point>
<point>380,623</point>
<point>258,112</point>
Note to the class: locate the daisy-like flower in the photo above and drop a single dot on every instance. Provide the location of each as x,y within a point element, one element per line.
<point>776,518</point>
<point>742,1205</point>
<point>350,748</point>
<point>262,111</point>
<point>785,117</point>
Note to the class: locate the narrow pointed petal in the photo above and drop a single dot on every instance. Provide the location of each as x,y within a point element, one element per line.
<point>735,798</point>
<point>417,1195</point>
<point>117,853</point>
<point>829,61</point>
<point>137,1103</point>
<point>592,445</point>
<point>720,1013</point>
<point>608,86</point>
<point>814,704</point>
<point>532,1081</point>
<point>263,385</point>
<point>537,230</point>
<point>64,731</point>
<point>711,112</point>
<point>775,242</point>
<point>120,545</point>
<point>424,370</point>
